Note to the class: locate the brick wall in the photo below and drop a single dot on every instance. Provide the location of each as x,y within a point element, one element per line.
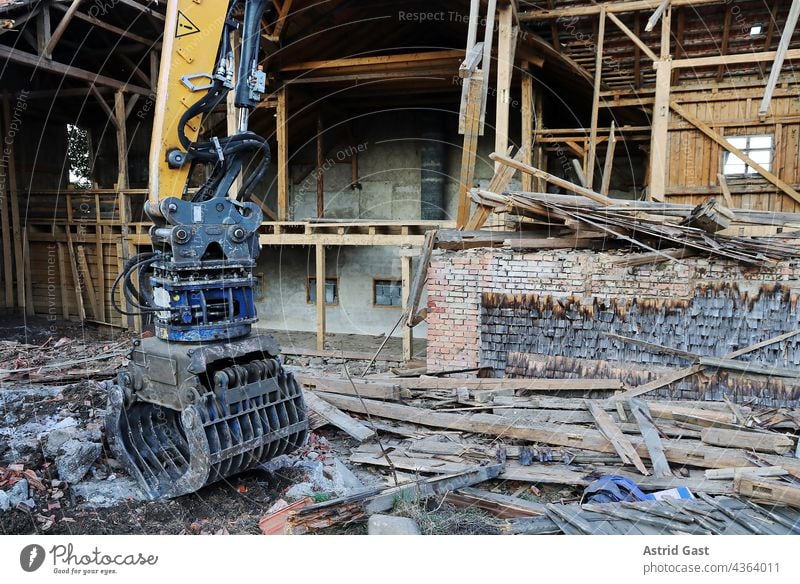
<point>458,281</point>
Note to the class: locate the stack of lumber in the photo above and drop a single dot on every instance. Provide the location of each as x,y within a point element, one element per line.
<point>417,429</point>
<point>589,219</point>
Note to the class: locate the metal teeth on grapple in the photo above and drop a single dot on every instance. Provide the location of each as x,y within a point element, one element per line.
<point>253,413</point>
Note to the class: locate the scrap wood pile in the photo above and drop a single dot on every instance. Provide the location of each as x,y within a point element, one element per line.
<point>496,444</point>
<point>60,360</point>
<point>589,219</point>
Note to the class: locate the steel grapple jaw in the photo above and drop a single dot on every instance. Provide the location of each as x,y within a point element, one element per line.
<point>183,416</point>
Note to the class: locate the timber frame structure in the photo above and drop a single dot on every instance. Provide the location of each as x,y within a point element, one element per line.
<point>637,99</point>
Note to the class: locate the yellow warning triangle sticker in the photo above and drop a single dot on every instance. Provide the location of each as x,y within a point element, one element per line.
<point>185,26</point>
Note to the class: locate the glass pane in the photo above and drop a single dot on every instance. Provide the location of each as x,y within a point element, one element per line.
<point>763,157</point>
<point>739,141</point>
<point>733,165</point>
<point>760,141</point>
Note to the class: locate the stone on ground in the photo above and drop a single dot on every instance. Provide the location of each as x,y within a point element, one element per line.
<point>76,459</point>
<point>390,525</point>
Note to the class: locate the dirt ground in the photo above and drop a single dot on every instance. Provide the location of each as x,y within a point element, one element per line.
<point>28,411</point>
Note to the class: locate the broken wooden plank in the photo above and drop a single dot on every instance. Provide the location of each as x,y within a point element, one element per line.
<point>677,451</point>
<point>732,473</point>
<point>357,507</point>
<point>651,438</point>
<point>615,436</point>
<point>496,504</point>
<point>337,417</point>
<point>760,442</point>
<point>426,383</point>
<point>363,388</point>
<point>764,491</point>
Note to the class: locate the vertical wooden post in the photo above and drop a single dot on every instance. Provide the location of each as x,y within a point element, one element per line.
<point>598,75</point>
<point>609,162</point>
<point>540,157</point>
<point>16,225</point>
<point>122,141</point>
<point>101,272</point>
<point>320,285</point>
<point>63,279</point>
<point>320,168</point>
<point>505,68</point>
<point>470,151</point>
<point>26,261</point>
<point>408,332</point>
<point>155,63</point>
<point>486,64</point>
<point>282,122</point>
<point>527,125</point>
<point>5,226</point>
<point>43,30</point>
<point>660,122</point>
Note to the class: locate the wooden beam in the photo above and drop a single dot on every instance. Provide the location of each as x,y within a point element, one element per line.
<point>63,278</point>
<point>12,189</point>
<point>122,141</point>
<point>614,435</point>
<point>320,168</point>
<point>506,44</point>
<point>708,131</point>
<point>320,300</point>
<point>282,131</point>
<point>23,58</point>
<point>43,30</point>
<point>564,184</point>
<point>76,278</point>
<point>726,35</point>
<point>408,332</point>
<point>660,133</point>
<point>83,266</point>
<point>337,417</point>
<point>616,7</point>
<point>280,23</point>
<point>104,106</point>
<point>609,162</point>
<point>777,65</point>
<point>696,62</point>
<point>144,9</point>
<point>378,62</point>
<point>726,191</point>
<point>598,76</point>
<point>154,43</point>
<point>651,438</point>
<point>487,59</point>
<point>469,152</point>
<point>527,125</point>
<point>5,227</point>
<point>61,28</point>
<point>631,35</point>
<point>765,491</point>
<point>653,20</point>
<point>26,260</point>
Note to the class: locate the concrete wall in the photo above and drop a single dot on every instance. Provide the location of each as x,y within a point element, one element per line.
<point>284,272</point>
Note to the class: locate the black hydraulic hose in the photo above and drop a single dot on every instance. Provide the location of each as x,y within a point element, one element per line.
<point>131,265</point>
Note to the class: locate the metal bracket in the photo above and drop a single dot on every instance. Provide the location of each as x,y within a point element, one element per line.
<point>187,81</point>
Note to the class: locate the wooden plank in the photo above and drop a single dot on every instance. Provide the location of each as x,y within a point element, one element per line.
<point>527,113</point>
<point>598,75</point>
<point>439,383</point>
<point>570,11</point>
<point>651,438</point>
<point>653,20</point>
<point>405,295</point>
<point>486,65</point>
<point>364,388</point>
<point>572,187</point>
<point>338,418</point>
<point>282,130</point>
<point>29,60</point>
<point>506,47</point>
<point>767,491</point>
<point>469,152</point>
<point>83,266</point>
<point>726,191</point>
<point>379,62</point>
<point>76,276</point>
<point>16,224</point>
<point>758,441</point>
<point>8,252</point>
<point>732,473</point>
<point>609,162</point>
<point>61,28</point>
<point>659,141</point>
<point>101,272</point>
<point>739,59</point>
<point>708,131</point>
<point>320,290</point>
<point>122,141</point>
<point>63,279</point>
<point>677,451</point>
<point>615,436</point>
<point>780,55</point>
<point>496,504</point>
<point>26,258</point>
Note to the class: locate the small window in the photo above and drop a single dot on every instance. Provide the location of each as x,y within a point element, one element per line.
<point>387,293</point>
<point>758,148</point>
<point>331,291</point>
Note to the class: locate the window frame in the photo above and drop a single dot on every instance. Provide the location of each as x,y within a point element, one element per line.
<point>309,287</point>
<point>749,172</point>
<point>393,280</point>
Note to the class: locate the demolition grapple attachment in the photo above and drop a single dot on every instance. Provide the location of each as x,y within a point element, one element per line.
<point>184,416</point>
